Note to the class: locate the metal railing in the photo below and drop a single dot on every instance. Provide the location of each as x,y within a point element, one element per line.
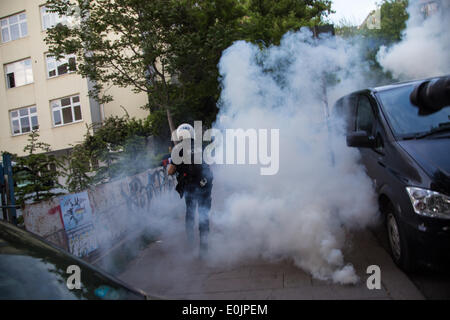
<point>7,198</point>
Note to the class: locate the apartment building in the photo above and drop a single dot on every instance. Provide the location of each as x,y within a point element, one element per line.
<point>38,92</point>
<point>429,7</point>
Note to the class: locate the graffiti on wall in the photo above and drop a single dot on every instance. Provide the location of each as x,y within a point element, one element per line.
<point>96,218</point>
<point>82,240</point>
<point>56,209</point>
<point>139,195</point>
<point>58,238</point>
<point>43,218</point>
<point>75,210</point>
<point>76,214</point>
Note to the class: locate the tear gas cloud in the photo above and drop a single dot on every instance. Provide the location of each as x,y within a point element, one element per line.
<point>425,47</point>
<point>304,212</point>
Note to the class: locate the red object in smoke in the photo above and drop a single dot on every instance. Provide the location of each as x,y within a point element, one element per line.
<point>55,210</point>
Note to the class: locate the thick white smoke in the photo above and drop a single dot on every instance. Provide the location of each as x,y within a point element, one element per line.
<point>425,47</point>
<point>305,211</point>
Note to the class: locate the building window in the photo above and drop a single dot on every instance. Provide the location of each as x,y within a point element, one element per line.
<point>66,110</point>
<point>51,19</point>
<point>429,8</point>
<point>59,67</point>
<point>18,73</point>
<point>14,27</point>
<point>24,120</point>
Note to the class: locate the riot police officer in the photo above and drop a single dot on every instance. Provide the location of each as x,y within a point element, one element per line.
<point>195,184</point>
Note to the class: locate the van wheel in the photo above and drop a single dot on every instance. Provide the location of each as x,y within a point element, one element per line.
<point>400,252</point>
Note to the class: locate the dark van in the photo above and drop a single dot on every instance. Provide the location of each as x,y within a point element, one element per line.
<point>403,134</point>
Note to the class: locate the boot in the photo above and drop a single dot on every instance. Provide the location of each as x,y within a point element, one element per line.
<point>203,252</point>
<point>190,239</point>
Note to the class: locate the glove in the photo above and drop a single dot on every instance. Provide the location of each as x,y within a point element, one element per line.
<point>166,162</point>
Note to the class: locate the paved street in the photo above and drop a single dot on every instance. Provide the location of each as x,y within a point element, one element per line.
<point>433,283</point>
<point>164,268</point>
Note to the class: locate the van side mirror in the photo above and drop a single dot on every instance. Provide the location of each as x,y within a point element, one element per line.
<point>360,139</point>
<point>431,96</point>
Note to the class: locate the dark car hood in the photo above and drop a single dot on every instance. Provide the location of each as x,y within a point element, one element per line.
<point>433,156</point>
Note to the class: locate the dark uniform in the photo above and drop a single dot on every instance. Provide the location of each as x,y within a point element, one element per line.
<point>195,184</point>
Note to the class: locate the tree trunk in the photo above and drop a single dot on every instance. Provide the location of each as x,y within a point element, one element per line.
<point>170,120</point>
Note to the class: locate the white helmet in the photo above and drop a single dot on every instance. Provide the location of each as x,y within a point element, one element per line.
<point>185,131</point>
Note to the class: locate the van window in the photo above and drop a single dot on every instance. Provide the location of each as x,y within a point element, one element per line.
<point>364,115</point>
<point>404,117</point>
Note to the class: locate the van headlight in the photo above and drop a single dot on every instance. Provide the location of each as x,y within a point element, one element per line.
<point>429,203</point>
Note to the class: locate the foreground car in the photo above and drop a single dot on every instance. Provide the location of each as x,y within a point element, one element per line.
<point>406,151</point>
<point>31,268</point>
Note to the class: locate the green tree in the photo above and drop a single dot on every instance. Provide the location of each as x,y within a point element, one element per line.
<point>170,48</point>
<point>118,148</point>
<point>393,21</point>
<point>206,28</point>
<point>267,20</point>
<point>346,29</point>
<point>212,26</point>
<point>393,15</point>
<point>79,168</point>
<point>121,42</point>
<point>36,174</point>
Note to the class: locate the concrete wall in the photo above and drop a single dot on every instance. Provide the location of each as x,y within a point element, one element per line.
<point>118,208</point>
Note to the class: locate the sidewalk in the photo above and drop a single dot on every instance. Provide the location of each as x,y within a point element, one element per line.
<point>163,269</point>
